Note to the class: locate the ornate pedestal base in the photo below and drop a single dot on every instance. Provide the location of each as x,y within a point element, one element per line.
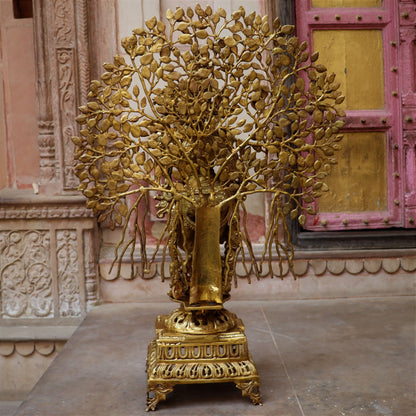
<point>183,358</point>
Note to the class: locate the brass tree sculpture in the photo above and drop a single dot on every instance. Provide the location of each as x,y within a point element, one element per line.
<point>208,111</point>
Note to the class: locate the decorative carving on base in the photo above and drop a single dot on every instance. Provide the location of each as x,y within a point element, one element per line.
<point>156,395</point>
<point>250,389</point>
<point>200,322</point>
<point>176,357</point>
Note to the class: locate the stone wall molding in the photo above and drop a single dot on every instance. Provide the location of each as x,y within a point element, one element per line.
<point>27,348</point>
<point>24,204</point>
<point>43,212</point>
<point>302,267</point>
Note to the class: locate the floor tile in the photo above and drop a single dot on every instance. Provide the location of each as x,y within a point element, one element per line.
<point>348,357</point>
<point>7,408</point>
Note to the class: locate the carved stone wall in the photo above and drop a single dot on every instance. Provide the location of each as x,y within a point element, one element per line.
<point>47,258</point>
<point>48,239</point>
<point>63,77</point>
<point>47,242</point>
<point>48,279</point>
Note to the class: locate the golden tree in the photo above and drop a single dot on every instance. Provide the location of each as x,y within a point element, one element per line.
<point>208,111</point>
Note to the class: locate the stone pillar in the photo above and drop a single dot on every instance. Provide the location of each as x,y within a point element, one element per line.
<point>63,76</point>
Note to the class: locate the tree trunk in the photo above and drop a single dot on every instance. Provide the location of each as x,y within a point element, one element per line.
<point>206,281</point>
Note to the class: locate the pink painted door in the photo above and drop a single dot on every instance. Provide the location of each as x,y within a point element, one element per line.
<point>407,75</point>
<point>359,41</point>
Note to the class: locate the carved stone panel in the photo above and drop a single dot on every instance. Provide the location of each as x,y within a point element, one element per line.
<point>25,274</point>
<point>47,258</point>
<point>68,273</point>
<point>67,107</point>
<point>90,268</point>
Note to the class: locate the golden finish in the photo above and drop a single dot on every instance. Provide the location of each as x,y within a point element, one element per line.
<point>358,182</point>
<point>356,56</point>
<point>209,110</point>
<point>200,322</point>
<point>346,3</point>
<point>177,358</point>
<point>206,280</point>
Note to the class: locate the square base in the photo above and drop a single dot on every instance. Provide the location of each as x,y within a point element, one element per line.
<point>183,358</point>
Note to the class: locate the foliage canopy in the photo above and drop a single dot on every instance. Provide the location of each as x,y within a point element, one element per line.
<point>208,110</point>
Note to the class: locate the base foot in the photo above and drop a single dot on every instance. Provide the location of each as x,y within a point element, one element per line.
<point>156,394</point>
<point>251,389</point>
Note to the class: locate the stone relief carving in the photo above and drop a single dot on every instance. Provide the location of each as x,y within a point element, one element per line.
<point>43,271</point>
<point>90,269</point>
<point>67,104</point>
<point>51,211</point>
<point>68,273</point>
<point>81,8</point>
<point>46,142</point>
<point>49,273</point>
<point>26,278</point>
<point>63,12</point>
<point>46,138</point>
<point>62,63</point>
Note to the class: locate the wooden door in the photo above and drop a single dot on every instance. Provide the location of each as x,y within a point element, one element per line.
<point>358,40</point>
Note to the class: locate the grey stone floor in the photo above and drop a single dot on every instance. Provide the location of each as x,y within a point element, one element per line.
<point>8,407</point>
<point>315,358</point>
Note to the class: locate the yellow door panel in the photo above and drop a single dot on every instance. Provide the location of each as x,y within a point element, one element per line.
<point>359,180</point>
<point>346,3</point>
<point>356,56</point>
